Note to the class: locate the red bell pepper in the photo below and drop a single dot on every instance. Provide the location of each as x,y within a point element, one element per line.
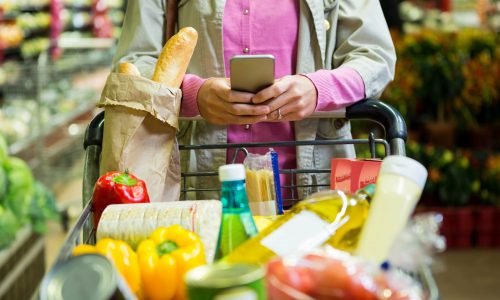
<point>117,188</point>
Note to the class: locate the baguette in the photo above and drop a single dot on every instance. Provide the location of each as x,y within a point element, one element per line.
<point>128,68</point>
<point>175,56</point>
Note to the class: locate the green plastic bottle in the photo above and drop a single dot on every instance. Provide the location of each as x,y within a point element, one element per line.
<point>237,224</point>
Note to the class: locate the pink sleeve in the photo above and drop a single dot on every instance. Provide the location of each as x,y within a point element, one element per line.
<point>191,84</point>
<point>337,88</point>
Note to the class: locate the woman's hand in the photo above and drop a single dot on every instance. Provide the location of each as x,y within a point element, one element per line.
<point>290,98</point>
<point>219,105</point>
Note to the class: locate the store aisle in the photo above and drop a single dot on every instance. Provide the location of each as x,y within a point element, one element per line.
<point>469,274</point>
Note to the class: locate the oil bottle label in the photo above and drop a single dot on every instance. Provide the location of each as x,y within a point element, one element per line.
<point>293,234</point>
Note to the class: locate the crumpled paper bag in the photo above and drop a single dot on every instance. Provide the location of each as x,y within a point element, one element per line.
<point>141,121</point>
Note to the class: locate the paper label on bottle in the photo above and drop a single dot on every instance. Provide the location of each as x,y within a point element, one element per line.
<point>292,235</point>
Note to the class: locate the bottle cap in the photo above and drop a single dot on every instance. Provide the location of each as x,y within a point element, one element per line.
<point>406,167</point>
<point>369,189</point>
<point>232,172</point>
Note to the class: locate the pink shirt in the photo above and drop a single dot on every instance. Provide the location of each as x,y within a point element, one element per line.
<point>257,27</point>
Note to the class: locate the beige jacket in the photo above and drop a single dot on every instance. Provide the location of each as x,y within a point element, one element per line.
<point>350,33</point>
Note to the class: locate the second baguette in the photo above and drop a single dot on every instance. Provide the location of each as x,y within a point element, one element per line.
<point>128,68</point>
<point>175,56</point>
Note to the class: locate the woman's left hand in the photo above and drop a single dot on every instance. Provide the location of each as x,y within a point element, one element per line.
<point>291,98</point>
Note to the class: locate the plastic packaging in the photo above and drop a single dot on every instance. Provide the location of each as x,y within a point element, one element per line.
<point>331,274</point>
<point>418,243</point>
<point>263,184</point>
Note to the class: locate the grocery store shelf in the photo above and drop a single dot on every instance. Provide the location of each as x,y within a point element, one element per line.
<point>29,143</point>
<point>78,7</point>
<point>11,16</point>
<point>19,265</point>
<point>37,32</point>
<point>33,9</point>
<point>11,51</point>
<point>71,27</point>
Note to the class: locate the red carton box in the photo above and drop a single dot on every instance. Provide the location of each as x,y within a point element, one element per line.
<point>350,175</point>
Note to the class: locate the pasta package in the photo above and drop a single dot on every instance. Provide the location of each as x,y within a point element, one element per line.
<point>263,185</point>
<point>134,222</point>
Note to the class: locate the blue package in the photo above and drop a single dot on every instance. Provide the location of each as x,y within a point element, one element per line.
<point>277,183</point>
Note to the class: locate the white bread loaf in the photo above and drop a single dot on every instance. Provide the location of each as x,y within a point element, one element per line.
<point>128,68</point>
<point>134,222</point>
<point>175,56</point>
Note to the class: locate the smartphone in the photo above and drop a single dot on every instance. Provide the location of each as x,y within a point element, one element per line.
<point>251,73</point>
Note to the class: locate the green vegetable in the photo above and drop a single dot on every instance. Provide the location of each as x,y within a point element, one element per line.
<point>4,183</point>
<point>43,208</point>
<point>21,188</point>
<point>8,227</point>
<point>4,149</point>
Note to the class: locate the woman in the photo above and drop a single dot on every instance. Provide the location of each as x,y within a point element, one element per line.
<point>329,54</point>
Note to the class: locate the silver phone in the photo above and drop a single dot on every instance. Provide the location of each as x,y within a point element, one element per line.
<point>251,73</point>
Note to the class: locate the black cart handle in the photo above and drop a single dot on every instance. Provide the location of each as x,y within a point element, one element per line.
<point>372,110</point>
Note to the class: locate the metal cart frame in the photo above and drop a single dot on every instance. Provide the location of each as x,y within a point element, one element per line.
<point>373,110</point>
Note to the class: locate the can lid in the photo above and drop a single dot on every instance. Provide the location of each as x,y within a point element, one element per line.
<point>223,275</point>
<point>406,167</point>
<point>88,276</point>
<point>232,172</point>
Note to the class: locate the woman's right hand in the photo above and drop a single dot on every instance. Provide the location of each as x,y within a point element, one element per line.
<point>219,105</point>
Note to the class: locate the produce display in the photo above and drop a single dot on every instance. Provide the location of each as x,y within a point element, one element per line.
<point>11,35</point>
<point>23,200</point>
<point>32,22</point>
<point>19,116</point>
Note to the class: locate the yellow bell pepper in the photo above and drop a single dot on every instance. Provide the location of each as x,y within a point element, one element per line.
<point>165,257</point>
<point>123,257</point>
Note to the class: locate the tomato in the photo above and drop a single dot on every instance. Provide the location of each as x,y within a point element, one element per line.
<point>282,278</point>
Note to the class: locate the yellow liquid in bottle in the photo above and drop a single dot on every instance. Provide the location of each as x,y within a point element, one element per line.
<point>296,228</point>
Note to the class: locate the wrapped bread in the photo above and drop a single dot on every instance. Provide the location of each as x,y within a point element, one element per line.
<point>134,222</point>
<point>142,119</point>
<point>128,68</point>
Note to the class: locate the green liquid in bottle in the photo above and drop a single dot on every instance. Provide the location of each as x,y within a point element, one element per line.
<point>237,224</point>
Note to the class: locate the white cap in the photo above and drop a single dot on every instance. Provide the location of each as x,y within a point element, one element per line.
<point>405,166</point>
<point>232,172</point>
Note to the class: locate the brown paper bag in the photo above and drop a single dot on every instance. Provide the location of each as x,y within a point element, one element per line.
<point>141,120</point>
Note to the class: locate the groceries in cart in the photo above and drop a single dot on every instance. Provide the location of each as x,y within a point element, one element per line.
<point>237,224</point>
<point>263,184</point>
<point>332,245</point>
<point>117,188</point>
<point>350,174</point>
<point>330,274</point>
<point>142,118</point>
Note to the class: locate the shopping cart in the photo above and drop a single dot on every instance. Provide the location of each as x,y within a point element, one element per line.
<point>373,110</point>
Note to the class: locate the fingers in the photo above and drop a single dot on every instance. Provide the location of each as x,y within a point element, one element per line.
<point>293,109</point>
<point>222,88</point>
<point>279,87</point>
<point>247,109</point>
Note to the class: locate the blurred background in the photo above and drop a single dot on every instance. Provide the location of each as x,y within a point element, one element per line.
<point>55,56</point>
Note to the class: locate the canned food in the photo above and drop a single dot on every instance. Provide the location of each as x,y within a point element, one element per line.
<point>226,282</point>
<point>88,276</point>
